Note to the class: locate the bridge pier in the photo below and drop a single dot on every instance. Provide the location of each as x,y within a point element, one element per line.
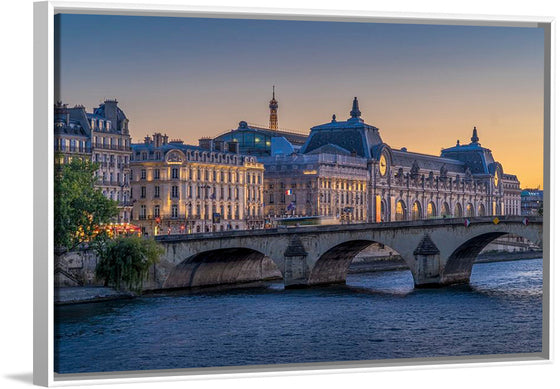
<point>296,270</point>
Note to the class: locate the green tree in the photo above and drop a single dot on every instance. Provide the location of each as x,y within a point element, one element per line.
<point>124,262</point>
<point>79,208</point>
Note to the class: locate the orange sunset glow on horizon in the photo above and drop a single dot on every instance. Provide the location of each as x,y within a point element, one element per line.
<point>423,86</point>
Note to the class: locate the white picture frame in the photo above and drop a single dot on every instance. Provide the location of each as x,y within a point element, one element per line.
<point>43,176</point>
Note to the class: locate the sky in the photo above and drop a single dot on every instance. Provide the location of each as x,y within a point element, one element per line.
<point>423,86</point>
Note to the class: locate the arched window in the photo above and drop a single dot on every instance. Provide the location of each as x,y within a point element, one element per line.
<point>400,211</point>
<point>431,210</point>
<point>416,211</point>
<point>383,210</point>
<point>458,210</point>
<point>470,210</point>
<point>445,210</point>
<point>481,210</point>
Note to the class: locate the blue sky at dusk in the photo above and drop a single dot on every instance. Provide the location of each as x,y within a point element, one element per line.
<point>424,86</point>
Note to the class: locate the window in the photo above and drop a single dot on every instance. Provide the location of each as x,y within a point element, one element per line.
<point>142,212</point>
<point>143,174</point>
<point>143,192</point>
<point>400,211</point>
<point>156,174</point>
<point>416,211</point>
<point>174,191</point>
<point>156,191</point>
<point>271,199</point>
<point>156,210</point>
<point>174,211</point>
<point>175,173</point>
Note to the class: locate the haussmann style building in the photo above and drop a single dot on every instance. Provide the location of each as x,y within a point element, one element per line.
<point>101,136</point>
<point>180,189</point>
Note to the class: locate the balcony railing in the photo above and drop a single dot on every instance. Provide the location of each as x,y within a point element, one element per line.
<point>111,147</point>
<point>73,149</point>
<point>111,183</point>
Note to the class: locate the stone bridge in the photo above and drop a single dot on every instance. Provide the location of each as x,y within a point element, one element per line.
<point>438,251</point>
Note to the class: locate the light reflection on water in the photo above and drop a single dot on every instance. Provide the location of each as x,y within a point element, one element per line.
<point>374,316</point>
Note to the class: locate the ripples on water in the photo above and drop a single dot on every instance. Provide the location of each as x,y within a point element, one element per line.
<point>374,316</point>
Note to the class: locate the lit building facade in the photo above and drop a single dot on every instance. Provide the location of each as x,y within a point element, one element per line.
<point>345,170</point>
<point>103,137</point>
<point>179,189</point>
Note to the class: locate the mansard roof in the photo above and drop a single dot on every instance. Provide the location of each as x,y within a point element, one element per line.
<point>477,158</point>
<point>330,149</point>
<point>73,128</point>
<point>425,161</point>
<point>353,135</point>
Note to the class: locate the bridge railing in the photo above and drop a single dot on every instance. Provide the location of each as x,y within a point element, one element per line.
<point>352,227</point>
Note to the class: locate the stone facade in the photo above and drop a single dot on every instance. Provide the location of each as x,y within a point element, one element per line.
<point>345,170</point>
<point>316,184</point>
<point>102,137</point>
<point>181,189</point>
<point>111,150</point>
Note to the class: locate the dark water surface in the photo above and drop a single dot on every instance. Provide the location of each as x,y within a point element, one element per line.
<point>375,316</point>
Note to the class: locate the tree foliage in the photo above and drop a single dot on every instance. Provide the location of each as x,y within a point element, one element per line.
<point>79,207</point>
<point>124,262</point>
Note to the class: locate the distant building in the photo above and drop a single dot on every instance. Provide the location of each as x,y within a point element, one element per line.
<point>344,169</point>
<point>179,188</point>
<point>258,140</point>
<point>531,202</point>
<point>103,137</point>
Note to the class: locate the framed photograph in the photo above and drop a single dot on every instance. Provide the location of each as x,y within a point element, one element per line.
<point>223,192</point>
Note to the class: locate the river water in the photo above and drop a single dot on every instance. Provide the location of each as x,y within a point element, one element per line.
<point>374,316</point>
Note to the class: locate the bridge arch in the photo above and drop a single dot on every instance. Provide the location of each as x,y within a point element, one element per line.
<point>332,265</point>
<point>458,267</point>
<point>223,266</point>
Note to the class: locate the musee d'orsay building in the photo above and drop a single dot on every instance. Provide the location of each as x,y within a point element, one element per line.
<point>345,170</point>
